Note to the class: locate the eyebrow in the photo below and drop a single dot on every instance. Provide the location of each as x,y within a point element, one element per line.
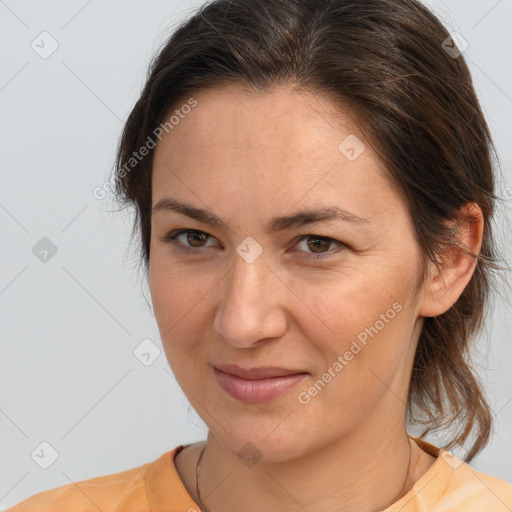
<point>300,218</point>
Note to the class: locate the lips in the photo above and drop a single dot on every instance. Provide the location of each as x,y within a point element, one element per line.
<point>257,373</point>
<point>256,384</point>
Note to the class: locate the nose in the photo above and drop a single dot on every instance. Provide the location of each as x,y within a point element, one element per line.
<point>251,306</point>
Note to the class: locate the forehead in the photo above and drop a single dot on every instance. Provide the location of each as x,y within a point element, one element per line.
<point>235,115</point>
<point>252,146</point>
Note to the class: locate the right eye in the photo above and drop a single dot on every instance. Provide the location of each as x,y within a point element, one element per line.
<point>182,237</point>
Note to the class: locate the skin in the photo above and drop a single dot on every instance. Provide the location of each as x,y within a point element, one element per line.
<point>247,158</point>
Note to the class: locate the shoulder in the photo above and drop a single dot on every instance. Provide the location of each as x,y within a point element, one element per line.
<point>452,485</point>
<point>124,491</point>
<point>474,490</point>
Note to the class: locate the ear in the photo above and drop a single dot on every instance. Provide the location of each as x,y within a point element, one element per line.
<point>443,287</point>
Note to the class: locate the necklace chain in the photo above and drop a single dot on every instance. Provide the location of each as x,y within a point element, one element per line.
<point>204,509</point>
<point>201,504</point>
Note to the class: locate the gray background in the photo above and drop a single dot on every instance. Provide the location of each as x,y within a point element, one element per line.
<point>69,325</point>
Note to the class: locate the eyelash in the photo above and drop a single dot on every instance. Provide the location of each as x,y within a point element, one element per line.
<point>171,238</point>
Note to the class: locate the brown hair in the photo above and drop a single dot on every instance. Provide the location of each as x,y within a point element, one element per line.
<point>388,61</point>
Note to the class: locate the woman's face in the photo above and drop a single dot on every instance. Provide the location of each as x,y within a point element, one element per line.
<point>252,291</point>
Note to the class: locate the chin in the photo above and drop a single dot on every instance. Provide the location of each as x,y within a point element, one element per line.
<point>268,440</point>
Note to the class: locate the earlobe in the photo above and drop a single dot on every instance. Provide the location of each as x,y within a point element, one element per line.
<point>445,284</point>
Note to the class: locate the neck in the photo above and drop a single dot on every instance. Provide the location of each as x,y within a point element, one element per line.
<point>360,472</point>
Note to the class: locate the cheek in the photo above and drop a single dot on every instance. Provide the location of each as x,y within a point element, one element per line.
<point>179,302</point>
<point>358,326</point>
<point>343,307</point>
<point>355,376</point>
<point>176,292</point>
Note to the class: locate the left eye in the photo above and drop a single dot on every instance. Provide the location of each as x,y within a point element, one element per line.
<point>193,240</point>
<point>319,245</point>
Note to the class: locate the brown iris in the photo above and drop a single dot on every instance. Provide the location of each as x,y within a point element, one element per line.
<point>318,243</point>
<point>195,236</point>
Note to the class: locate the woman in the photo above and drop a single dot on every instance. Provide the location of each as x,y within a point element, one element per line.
<point>313,189</point>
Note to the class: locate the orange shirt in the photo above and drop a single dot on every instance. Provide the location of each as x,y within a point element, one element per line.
<point>449,485</point>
